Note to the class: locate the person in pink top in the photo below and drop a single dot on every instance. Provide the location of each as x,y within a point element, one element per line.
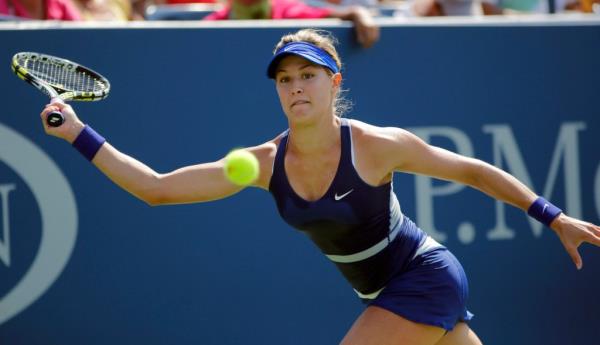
<point>367,32</point>
<point>40,9</point>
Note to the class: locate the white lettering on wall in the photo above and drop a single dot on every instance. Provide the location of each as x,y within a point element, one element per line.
<point>58,217</point>
<point>506,155</point>
<point>5,216</point>
<point>425,190</point>
<point>506,150</point>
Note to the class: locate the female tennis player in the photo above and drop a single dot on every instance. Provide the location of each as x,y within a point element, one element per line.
<point>331,177</point>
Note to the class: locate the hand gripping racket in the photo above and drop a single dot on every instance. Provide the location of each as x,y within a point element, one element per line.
<point>60,79</point>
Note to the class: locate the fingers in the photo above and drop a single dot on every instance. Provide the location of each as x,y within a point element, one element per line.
<point>596,230</point>
<point>589,232</point>
<point>56,104</point>
<point>594,238</point>
<point>373,35</point>
<point>361,35</point>
<point>573,232</point>
<point>46,111</point>
<point>67,130</point>
<point>574,254</point>
<point>367,35</point>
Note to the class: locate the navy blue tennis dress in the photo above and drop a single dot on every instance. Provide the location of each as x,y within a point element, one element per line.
<point>387,259</point>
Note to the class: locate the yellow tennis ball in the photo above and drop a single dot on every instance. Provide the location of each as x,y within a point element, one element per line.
<point>241,167</point>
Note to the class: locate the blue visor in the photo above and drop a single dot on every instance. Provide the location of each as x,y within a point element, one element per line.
<point>306,50</point>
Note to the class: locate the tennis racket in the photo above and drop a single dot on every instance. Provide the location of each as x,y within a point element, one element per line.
<point>60,79</point>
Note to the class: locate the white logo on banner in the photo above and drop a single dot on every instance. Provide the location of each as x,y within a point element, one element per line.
<point>58,213</point>
<point>506,155</point>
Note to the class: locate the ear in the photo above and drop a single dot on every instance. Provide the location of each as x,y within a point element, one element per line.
<point>337,79</point>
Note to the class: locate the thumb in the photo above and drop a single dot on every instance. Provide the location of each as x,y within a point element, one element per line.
<point>574,254</point>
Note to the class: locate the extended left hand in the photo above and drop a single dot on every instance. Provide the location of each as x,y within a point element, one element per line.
<point>573,232</point>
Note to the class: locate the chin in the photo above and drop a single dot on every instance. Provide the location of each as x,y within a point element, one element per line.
<point>300,117</point>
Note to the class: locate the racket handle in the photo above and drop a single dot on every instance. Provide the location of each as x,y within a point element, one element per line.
<point>55,119</point>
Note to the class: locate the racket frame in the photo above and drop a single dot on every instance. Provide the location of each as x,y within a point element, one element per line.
<point>56,93</point>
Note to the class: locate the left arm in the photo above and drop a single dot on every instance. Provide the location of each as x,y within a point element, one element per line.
<point>416,156</point>
<point>409,153</point>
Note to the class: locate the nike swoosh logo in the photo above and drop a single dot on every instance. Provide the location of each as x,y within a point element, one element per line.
<point>340,197</point>
<point>544,209</point>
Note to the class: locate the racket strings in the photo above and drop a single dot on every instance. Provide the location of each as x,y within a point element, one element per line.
<point>60,76</point>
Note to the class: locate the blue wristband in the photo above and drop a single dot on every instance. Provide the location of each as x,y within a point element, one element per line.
<point>88,142</point>
<point>543,211</point>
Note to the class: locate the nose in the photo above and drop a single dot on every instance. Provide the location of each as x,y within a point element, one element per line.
<point>297,88</point>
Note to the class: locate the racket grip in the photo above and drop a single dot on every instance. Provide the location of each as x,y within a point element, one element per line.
<point>55,119</point>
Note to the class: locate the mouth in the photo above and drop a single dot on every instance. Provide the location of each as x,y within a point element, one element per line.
<point>300,102</point>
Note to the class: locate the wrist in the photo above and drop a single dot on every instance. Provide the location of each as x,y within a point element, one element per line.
<point>74,131</point>
<point>558,222</point>
<point>544,211</point>
<point>88,142</point>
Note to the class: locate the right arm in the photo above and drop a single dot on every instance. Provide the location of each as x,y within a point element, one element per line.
<point>196,183</point>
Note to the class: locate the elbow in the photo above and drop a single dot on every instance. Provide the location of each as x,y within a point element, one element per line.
<point>155,198</point>
<point>153,194</point>
<point>152,201</point>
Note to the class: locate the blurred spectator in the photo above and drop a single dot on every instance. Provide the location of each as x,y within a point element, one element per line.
<point>138,7</point>
<point>106,10</point>
<point>366,3</point>
<point>492,7</point>
<point>40,9</point>
<point>367,32</point>
<point>191,1</point>
<point>587,6</point>
<point>429,8</point>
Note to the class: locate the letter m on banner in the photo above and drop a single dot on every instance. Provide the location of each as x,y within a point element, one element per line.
<point>506,150</point>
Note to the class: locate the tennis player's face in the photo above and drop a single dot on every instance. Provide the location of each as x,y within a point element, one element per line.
<point>306,91</point>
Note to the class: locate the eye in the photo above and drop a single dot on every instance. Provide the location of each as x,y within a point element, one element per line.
<point>283,79</point>
<point>307,75</point>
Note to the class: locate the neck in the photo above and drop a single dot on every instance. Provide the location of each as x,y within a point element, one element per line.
<point>314,138</point>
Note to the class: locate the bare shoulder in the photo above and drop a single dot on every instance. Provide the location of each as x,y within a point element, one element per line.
<point>265,153</point>
<point>266,150</point>
<point>377,138</point>
<point>377,150</point>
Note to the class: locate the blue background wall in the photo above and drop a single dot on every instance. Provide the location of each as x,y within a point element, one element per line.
<point>231,272</point>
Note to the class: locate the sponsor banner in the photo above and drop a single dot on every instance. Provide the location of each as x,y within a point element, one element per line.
<point>83,262</point>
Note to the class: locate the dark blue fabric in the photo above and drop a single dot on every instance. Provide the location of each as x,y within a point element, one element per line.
<point>432,290</point>
<point>306,50</point>
<point>543,211</point>
<point>88,142</point>
<point>349,225</point>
